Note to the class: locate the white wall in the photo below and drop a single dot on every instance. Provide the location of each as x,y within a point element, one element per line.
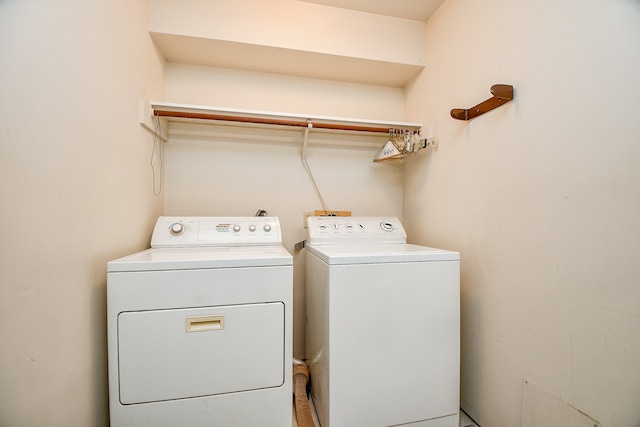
<point>228,170</point>
<point>76,191</point>
<point>541,197</point>
<point>296,25</point>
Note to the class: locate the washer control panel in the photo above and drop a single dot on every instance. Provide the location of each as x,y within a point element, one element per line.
<point>344,229</point>
<point>172,231</point>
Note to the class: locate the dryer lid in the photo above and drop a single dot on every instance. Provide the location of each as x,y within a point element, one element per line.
<point>159,259</point>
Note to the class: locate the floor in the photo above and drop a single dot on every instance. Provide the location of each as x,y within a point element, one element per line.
<point>465,420</point>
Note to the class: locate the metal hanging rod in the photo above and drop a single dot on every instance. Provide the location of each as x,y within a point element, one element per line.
<point>265,121</point>
<point>501,95</point>
<point>181,111</point>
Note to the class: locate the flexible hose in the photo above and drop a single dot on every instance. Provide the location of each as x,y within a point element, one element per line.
<point>300,380</point>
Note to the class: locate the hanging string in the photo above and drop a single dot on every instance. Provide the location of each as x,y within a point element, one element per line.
<point>157,144</point>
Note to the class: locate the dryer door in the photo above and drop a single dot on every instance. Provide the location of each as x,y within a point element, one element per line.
<point>182,353</point>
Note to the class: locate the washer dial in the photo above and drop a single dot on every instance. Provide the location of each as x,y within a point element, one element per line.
<point>176,228</point>
<point>386,226</point>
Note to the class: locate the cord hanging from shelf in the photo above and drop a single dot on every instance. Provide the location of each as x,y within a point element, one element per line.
<point>303,157</point>
<point>501,95</point>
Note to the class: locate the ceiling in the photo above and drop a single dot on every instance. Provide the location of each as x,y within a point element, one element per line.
<point>418,10</point>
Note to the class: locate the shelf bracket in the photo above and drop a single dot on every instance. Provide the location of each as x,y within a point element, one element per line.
<point>501,95</point>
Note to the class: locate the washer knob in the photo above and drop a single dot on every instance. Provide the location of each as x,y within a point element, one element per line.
<point>252,228</point>
<point>236,228</point>
<point>386,226</point>
<point>267,228</point>
<point>176,229</point>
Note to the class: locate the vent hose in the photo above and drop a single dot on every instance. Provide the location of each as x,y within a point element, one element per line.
<point>300,380</point>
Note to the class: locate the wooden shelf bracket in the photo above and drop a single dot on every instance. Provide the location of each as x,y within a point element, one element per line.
<point>501,95</point>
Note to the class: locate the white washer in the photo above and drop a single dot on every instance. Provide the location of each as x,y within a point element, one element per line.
<point>383,325</point>
<point>200,326</point>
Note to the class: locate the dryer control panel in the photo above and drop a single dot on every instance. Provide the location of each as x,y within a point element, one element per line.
<point>328,230</point>
<point>216,231</point>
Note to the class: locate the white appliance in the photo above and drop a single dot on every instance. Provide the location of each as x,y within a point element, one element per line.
<point>200,326</point>
<point>383,325</point>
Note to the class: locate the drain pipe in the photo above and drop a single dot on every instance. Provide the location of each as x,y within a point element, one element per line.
<point>300,380</point>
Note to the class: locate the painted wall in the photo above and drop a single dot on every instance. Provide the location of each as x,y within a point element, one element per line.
<point>76,191</point>
<point>541,197</point>
<point>296,25</point>
<point>229,170</point>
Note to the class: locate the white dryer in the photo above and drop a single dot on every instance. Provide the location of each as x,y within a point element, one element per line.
<point>383,325</point>
<point>200,326</point>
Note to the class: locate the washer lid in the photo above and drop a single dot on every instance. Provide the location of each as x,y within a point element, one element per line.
<point>380,253</point>
<point>157,259</point>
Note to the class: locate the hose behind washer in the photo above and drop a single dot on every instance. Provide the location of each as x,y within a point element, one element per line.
<point>300,380</point>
